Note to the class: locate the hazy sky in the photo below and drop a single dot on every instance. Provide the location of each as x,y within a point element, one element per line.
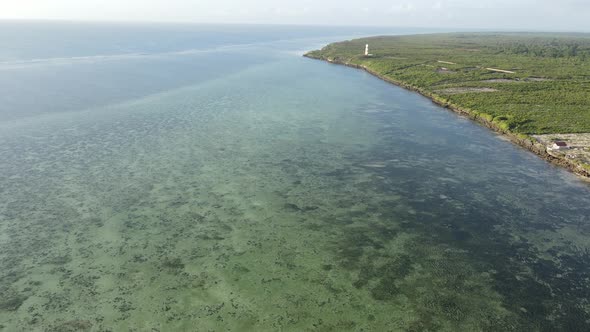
<point>495,14</point>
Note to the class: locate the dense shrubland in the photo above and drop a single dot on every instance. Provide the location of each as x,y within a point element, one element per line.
<point>549,91</point>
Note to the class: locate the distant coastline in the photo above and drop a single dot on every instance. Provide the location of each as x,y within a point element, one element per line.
<point>524,140</point>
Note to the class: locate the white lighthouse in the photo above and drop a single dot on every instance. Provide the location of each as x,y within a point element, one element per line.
<point>367,50</point>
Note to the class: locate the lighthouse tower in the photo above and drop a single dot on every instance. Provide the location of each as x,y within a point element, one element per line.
<point>367,50</point>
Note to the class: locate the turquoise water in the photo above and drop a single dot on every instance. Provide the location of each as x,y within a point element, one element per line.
<point>243,187</point>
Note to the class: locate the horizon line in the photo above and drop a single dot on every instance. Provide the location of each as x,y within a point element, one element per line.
<point>157,22</point>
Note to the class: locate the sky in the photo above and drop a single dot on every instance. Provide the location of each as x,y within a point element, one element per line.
<point>571,15</point>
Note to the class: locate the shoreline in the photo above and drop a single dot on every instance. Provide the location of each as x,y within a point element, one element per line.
<point>524,141</point>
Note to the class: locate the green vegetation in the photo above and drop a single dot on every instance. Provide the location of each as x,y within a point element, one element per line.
<point>549,91</point>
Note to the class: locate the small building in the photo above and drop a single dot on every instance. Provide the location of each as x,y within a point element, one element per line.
<point>559,145</point>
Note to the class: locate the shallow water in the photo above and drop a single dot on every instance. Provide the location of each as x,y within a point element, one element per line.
<point>264,191</point>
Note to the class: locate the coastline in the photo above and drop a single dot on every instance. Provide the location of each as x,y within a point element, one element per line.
<point>521,140</point>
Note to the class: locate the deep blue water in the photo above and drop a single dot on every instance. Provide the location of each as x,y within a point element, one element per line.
<point>56,67</point>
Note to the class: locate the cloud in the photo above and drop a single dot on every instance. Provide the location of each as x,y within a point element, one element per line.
<point>402,7</point>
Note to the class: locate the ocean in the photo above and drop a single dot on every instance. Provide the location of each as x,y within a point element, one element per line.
<point>209,178</point>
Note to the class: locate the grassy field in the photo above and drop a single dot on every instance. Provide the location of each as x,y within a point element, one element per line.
<point>548,91</point>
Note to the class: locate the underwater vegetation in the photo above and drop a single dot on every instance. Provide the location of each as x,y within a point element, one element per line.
<point>342,207</point>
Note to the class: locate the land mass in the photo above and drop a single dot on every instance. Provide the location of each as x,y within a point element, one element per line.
<point>532,87</point>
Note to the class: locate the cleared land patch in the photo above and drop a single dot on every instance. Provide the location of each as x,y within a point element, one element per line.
<point>453,91</point>
<point>578,145</point>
